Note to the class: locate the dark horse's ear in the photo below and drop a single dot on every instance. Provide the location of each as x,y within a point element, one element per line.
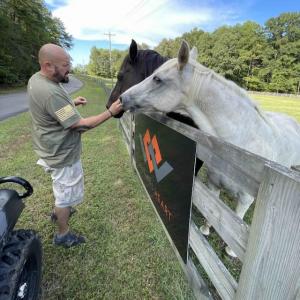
<point>133,50</point>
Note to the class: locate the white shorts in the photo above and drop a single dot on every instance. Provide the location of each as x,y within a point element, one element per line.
<point>67,183</point>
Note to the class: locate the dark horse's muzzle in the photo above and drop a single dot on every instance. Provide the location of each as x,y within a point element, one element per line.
<point>119,115</point>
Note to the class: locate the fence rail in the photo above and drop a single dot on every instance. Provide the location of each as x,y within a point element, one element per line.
<point>269,249</point>
<point>276,94</point>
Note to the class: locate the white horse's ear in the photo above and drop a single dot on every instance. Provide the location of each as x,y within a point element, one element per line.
<point>194,53</point>
<point>183,55</point>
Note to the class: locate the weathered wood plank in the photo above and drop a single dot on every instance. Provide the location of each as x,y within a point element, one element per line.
<point>131,137</point>
<point>125,120</point>
<point>126,132</point>
<point>215,269</point>
<point>198,285</point>
<point>233,230</point>
<point>271,267</point>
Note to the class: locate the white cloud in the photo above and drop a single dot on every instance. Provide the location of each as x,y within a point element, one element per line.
<point>147,21</point>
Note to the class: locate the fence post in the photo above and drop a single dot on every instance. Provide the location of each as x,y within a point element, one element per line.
<point>132,132</point>
<point>271,268</point>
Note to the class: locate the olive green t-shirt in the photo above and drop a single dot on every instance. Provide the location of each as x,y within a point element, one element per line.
<point>53,113</point>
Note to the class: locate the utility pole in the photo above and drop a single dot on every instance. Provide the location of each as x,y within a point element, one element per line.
<point>110,62</point>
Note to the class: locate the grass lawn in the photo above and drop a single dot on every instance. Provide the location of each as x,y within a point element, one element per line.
<point>127,255</point>
<point>6,90</point>
<point>288,105</point>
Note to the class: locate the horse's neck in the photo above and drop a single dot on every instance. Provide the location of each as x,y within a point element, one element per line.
<point>219,109</point>
<point>201,120</point>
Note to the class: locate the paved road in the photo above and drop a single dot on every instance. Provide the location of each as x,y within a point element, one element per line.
<point>15,103</point>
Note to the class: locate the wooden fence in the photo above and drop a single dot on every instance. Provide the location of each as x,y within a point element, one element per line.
<point>270,249</point>
<point>297,96</point>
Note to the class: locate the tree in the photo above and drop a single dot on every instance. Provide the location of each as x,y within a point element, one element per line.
<point>225,54</point>
<point>283,34</point>
<point>143,46</point>
<point>99,63</point>
<point>25,26</point>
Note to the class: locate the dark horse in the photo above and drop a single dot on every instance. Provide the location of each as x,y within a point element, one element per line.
<point>137,65</point>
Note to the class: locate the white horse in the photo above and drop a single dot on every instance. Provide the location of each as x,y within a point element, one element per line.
<point>220,108</point>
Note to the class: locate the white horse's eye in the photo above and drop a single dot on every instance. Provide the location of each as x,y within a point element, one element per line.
<point>156,79</point>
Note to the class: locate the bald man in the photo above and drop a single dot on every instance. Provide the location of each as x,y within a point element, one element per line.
<point>56,131</point>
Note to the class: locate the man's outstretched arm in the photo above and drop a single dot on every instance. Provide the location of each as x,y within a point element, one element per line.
<point>85,124</point>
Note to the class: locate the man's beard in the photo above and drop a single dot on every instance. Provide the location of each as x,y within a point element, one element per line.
<point>60,78</point>
<point>65,79</point>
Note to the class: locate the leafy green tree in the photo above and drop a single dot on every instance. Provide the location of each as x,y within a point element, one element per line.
<point>25,26</point>
<point>168,47</point>
<point>143,46</point>
<point>283,34</point>
<point>255,57</point>
<point>225,54</point>
<point>99,63</point>
<point>203,42</point>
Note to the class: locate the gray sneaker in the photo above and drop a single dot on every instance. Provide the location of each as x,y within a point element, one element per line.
<point>68,240</point>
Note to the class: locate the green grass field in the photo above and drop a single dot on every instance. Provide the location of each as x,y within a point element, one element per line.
<point>127,255</point>
<point>288,105</point>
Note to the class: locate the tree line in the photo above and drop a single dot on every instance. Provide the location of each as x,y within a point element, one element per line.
<point>24,27</point>
<point>258,58</point>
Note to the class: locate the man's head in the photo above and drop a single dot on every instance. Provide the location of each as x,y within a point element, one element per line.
<point>55,63</point>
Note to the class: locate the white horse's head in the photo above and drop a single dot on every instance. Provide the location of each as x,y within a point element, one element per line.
<point>169,82</point>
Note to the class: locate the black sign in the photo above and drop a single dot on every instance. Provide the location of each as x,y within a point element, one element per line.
<point>165,160</point>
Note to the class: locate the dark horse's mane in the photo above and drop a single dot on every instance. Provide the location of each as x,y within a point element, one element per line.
<point>150,60</point>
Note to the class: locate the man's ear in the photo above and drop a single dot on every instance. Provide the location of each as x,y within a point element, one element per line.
<point>49,67</point>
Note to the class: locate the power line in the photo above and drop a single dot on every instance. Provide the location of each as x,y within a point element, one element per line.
<point>139,13</point>
<point>153,11</point>
<point>136,8</point>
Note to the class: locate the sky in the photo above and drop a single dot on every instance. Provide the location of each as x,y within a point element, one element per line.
<point>149,21</point>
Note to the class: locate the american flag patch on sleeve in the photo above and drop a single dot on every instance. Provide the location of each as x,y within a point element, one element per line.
<point>65,112</point>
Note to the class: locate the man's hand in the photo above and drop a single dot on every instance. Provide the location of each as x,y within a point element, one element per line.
<point>85,124</point>
<point>80,101</point>
<point>116,107</point>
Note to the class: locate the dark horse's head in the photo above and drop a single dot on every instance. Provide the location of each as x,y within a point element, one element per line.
<point>137,65</point>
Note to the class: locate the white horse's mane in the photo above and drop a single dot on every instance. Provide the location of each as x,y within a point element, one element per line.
<point>230,84</point>
<point>199,70</point>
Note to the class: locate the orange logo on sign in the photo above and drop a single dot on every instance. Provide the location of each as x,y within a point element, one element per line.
<point>152,156</point>
<point>147,141</point>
